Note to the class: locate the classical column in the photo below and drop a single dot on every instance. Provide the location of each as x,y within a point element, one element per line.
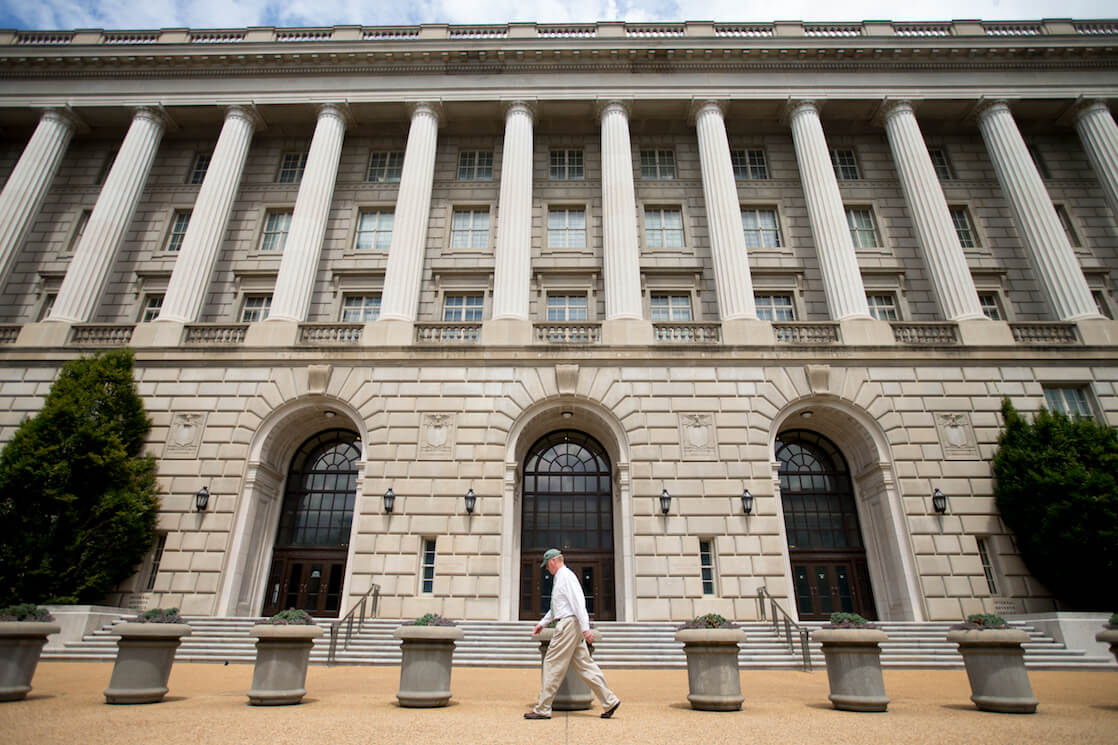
<point>291,299</point>
<point>403,274</point>
<point>1057,269</point>
<point>1099,135</point>
<point>838,263</point>
<point>943,256</point>
<point>93,258</point>
<point>186,291</point>
<point>30,180</point>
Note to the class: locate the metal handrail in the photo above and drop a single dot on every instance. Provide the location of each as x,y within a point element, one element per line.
<point>781,618</point>
<point>358,612</point>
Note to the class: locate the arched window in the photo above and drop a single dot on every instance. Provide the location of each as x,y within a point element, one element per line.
<point>321,490</point>
<point>816,492</point>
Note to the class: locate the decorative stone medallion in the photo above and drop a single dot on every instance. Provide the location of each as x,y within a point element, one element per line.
<point>436,436</point>
<point>956,436</point>
<point>696,437</point>
<point>185,434</point>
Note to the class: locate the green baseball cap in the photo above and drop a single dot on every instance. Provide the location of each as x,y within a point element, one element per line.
<point>550,554</point>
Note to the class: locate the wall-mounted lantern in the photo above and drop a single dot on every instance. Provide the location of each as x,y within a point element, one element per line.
<point>939,502</point>
<point>665,501</point>
<point>202,500</point>
<point>389,501</point>
<point>747,502</point>
<point>471,502</point>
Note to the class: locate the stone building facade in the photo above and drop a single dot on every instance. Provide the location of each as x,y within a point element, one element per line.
<point>604,279</point>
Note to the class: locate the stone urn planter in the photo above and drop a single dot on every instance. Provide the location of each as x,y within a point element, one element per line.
<point>427,653</point>
<point>995,663</point>
<point>282,655</point>
<point>144,657</point>
<point>21,641</point>
<point>854,667</point>
<point>1109,635</point>
<point>712,667</point>
<point>573,694</point>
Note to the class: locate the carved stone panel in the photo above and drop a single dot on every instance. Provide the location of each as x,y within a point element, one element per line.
<point>956,436</point>
<point>697,437</point>
<point>185,434</point>
<point>436,437</point>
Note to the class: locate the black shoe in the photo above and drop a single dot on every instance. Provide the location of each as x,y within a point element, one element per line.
<point>537,715</point>
<point>609,712</point>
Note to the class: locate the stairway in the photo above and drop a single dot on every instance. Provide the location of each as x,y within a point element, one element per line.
<point>623,645</point>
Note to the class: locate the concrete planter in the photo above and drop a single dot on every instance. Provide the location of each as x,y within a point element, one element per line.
<point>144,656</point>
<point>995,665</point>
<point>712,668</point>
<point>854,668</point>
<point>282,654</point>
<point>428,652</point>
<point>1109,636</point>
<point>573,694</point>
<point>20,645</point>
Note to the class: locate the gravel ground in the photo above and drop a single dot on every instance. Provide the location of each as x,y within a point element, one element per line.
<point>207,705</point>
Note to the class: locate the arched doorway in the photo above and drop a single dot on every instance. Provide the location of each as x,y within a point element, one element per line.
<point>309,557</point>
<point>825,546</point>
<point>567,495</point>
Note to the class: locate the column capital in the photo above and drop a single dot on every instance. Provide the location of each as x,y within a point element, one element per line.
<point>891,107</point>
<point>605,106</point>
<point>1085,106</point>
<point>796,106</point>
<point>338,110</point>
<point>156,114</point>
<point>433,109</point>
<point>67,116</point>
<point>700,105</point>
<point>987,106</point>
<point>249,113</point>
<point>520,106</point>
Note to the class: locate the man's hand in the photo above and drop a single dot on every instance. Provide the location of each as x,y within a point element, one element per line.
<point>588,636</point>
<point>536,631</point>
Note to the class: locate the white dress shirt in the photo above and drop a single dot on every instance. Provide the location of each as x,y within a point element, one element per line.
<point>567,599</point>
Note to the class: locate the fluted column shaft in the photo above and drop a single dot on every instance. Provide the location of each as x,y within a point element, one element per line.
<point>93,258</point>
<point>620,251</point>
<point>30,181</point>
<point>291,299</point>
<point>403,274</point>
<point>1099,135</point>
<point>513,260</point>
<point>931,218</point>
<point>186,290</point>
<point>727,238</point>
<point>1057,269</point>
<point>838,263</point>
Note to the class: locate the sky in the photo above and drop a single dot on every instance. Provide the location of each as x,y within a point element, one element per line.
<point>212,14</point>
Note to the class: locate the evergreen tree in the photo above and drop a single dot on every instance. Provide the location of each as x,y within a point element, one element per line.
<point>78,498</point>
<point>1057,490</point>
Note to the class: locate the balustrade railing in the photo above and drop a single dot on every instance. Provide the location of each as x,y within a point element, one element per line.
<point>568,333</point>
<point>1044,333</point>
<point>9,334</point>
<point>925,333</point>
<point>449,333</point>
<point>215,334</point>
<point>101,335</point>
<point>793,632</point>
<point>330,333</point>
<point>806,333</point>
<point>687,333</point>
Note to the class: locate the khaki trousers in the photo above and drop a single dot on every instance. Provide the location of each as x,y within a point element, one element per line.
<point>568,649</point>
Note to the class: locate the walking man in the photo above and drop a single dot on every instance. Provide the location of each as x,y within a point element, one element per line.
<point>568,646</point>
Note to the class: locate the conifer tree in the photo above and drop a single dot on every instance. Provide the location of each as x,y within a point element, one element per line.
<point>78,498</point>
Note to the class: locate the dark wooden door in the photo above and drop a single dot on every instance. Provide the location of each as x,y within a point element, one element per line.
<point>306,579</point>
<point>595,573</point>
<point>827,584</point>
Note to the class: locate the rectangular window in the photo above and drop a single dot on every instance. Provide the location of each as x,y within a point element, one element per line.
<point>863,228</point>
<point>987,566</point>
<point>1038,161</point>
<point>1101,304</point>
<point>663,228</point>
<point>670,307</point>
<point>79,229</point>
<point>48,305</point>
<point>359,308</point>
<point>156,559</point>
<point>374,230</point>
<point>566,165</point>
<point>991,305</point>
<point>469,229</point>
<point>1066,224</point>
<point>775,307</point>
<point>385,167</point>
<point>152,305</point>
<point>291,169</point>
<point>463,308</point>
<point>1069,400</point>
<point>749,164</point>
<point>428,566</point>
<point>845,164</point>
<point>883,306</point>
<point>255,308</point>
<point>179,223</point>
<point>475,165</point>
<point>566,307</point>
<point>761,228</point>
<point>657,164</point>
<point>941,164</point>
<point>200,167</point>
<point>566,228</point>
<point>276,225</point>
<point>706,565</point>
<point>964,228</point>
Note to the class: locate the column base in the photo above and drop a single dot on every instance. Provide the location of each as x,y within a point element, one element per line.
<point>44,334</point>
<point>866,332</point>
<point>272,334</point>
<point>748,332</point>
<point>627,332</point>
<point>506,332</point>
<point>985,333</point>
<point>1098,332</point>
<point>388,332</point>
<point>158,334</point>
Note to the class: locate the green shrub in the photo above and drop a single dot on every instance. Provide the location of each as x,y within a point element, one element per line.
<point>292,617</point>
<point>432,619</point>
<point>160,615</point>
<point>1114,620</point>
<point>987,621</point>
<point>25,612</point>
<point>848,621</point>
<point>709,621</point>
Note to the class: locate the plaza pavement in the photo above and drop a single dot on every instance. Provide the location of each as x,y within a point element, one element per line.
<point>357,705</point>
